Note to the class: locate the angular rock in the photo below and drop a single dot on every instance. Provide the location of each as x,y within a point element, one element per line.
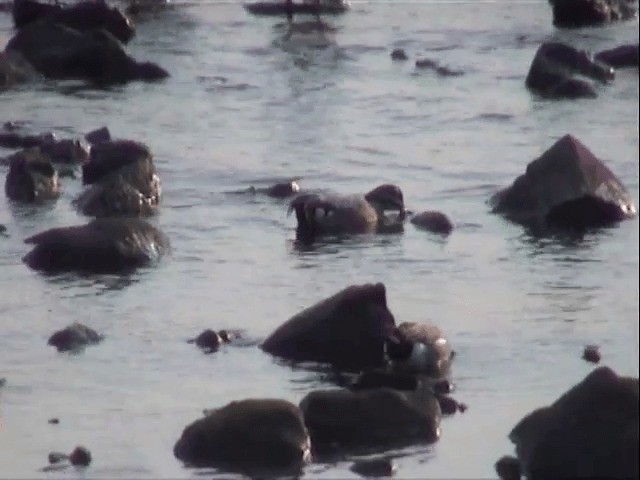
<point>590,13</point>
<point>589,432</point>
<point>107,245</point>
<point>568,186</point>
<point>431,221</point>
<point>553,68</point>
<point>254,435</point>
<point>376,419</point>
<point>620,57</point>
<point>31,177</point>
<point>60,52</point>
<point>347,330</point>
<point>74,337</point>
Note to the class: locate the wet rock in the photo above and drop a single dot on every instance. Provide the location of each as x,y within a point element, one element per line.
<point>14,70</point>
<point>553,68</point>
<point>449,406</point>
<point>420,348</point>
<point>106,245</point>
<point>590,13</point>
<point>508,468</point>
<point>74,337</point>
<point>424,63</point>
<point>376,468</point>
<point>57,457</point>
<point>568,187</point>
<point>253,435</point>
<point>347,330</point>
<point>59,52</point>
<point>443,71</point>
<point>209,341</point>
<point>434,222</point>
<point>122,178</point>
<point>53,421</point>
<point>462,407</point>
<point>591,353</point>
<point>443,386</point>
<point>590,431</point>
<point>98,135</point>
<point>620,57</point>
<point>398,54</point>
<point>31,177</point>
<point>80,457</point>
<point>277,190</point>
<point>3,381</point>
<point>370,419</point>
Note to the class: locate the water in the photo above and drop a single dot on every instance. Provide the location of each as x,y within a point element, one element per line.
<point>245,107</point>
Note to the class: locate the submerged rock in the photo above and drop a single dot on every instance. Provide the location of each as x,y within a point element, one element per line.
<point>620,57</point>
<point>590,13</point>
<point>209,340</point>
<point>569,187</point>
<point>399,54</point>
<point>31,177</point>
<point>376,468</point>
<point>14,70</point>
<point>254,435</point>
<point>432,221</point>
<point>589,432</point>
<point>74,337</point>
<point>591,354</point>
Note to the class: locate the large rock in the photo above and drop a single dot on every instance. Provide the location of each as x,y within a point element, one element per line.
<point>75,337</point>
<point>347,330</point>
<point>31,177</point>
<point>15,70</point>
<point>122,180</point>
<point>254,435</point>
<point>84,15</point>
<point>589,432</point>
<point>61,52</point>
<point>104,245</point>
<point>554,66</point>
<point>620,57</point>
<point>590,13</point>
<point>378,418</point>
<point>568,186</point>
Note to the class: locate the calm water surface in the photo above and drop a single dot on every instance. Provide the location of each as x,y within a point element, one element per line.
<point>246,106</point>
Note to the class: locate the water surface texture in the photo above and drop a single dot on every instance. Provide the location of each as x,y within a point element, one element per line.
<point>246,106</point>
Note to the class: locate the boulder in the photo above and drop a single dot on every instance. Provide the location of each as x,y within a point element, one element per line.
<point>567,186</point>
<point>590,13</point>
<point>14,70</point>
<point>620,57</point>
<point>31,177</point>
<point>432,221</point>
<point>75,337</point>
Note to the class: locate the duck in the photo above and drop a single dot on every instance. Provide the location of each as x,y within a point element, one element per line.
<point>324,214</point>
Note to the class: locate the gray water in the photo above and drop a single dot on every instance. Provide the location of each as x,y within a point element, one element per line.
<point>244,106</point>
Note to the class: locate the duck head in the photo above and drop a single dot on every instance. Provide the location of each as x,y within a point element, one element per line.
<point>386,197</point>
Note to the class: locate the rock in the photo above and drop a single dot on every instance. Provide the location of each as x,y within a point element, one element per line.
<point>99,135</point>
<point>370,419</point>
<point>74,337</point>
<point>53,421</point>
<point>554,65</point>
<point>620,57</point>
<point>590,13</point>
<point>434,222</point>
<point>591,354</point>
<point>57,457</point>
<point>508,468</point>
<point>3,381</point>
<point>427,63</point>
<point>106,245</point>
<point>420,348</point>
<point>398,54</point>
<point>443,386</point>
<point>80,457</point>
<point>31,177</point>
<point>254,435</point>
<point>347,330</point>
<point>14,70</point>
<point>449,406</point>
<point>376,468</point>
<point>568,187</point>
<point>60,52</point>
<point>590,431</point>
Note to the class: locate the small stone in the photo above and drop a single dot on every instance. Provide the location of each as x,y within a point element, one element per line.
<point>591,353</point>
<point>54,421</point>
<point>3,381</point>
<point>426,63</point>
<point>448,405</point>
<point>374,468</point>
<point>57,457</point>
<point>462,407</point>
<point>508,468</point>
<point>80,457</point>
<point>399,54</point>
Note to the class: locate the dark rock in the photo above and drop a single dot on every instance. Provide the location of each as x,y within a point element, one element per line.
<point>620,57</point>
<point>591,353</point>
<point>250,435</point>
<point>123,180</point>
<point>210,341</point>
<point>590,13</point>
<point>98,136</point>
<point>106,245</point>
<point>14,70</point>
<point>283,190</point>
<point>3,381</point>
<point>74,337</point>
<point>420,348</point>
<point>54,421</point>
<point>399,54</point>
<point>80,457</point>
<point>370,419</point>
<point>443,386</point>
<point>435,222</point>
<point>426,63</point>
<point>448,405</point>
<point>462,407</point>
<point>347,330</point>
<point>566,187</point>
<point>57,457</point>
<point>31,177</point>
<point>82,16</point>
<point>376,468</point>
<point>554,65</point>
<point>60,52</point>
<point>589,432</point>
<point>508,468</point>
<point>67,151</point>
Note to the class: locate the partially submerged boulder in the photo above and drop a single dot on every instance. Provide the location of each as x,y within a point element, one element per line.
<point>347,330</point>
<point>75,337</point>
<point>61,52</point>
<point>14,70</point>
<point>105,245</point>
<point>620,57</point>
<point>31,177</point>
<point>433,221</point>
<point>590,13</point>
<point>589,432</point>
<point>254,435</point>
<point>377,419</point>
<point>568,186</point>
<point>553,70</point>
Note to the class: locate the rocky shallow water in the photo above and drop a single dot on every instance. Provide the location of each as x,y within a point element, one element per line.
<point>247,106</point>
